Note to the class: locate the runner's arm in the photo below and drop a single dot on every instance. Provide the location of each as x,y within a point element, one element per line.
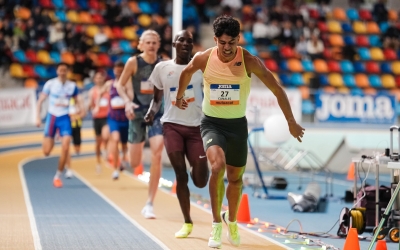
<point>39,103</point>
<point>187,73</point>
<point>129,70</point>
<point>157,101</point>
<point>80,104</point>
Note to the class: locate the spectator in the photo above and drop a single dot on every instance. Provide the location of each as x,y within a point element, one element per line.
<point>5,53</point>
<point>287,34</point>
<point>69,31</point>
<point>301,47</point>
<point>37,15</point>
<point>260,32</point>
<point>56,36</point>
<point>298,29</point>
<point>18,38</point>
<point>41,36</point>
<point>101,39</point>
<point>380,12</point>
<point>113,13</point>
<point>274,30</point>
<point>390,39</point>
<point>30,33</point>
<point>315,47</point>
<point>310,30</point>
<point>349,53</point>
<point>126,14</point>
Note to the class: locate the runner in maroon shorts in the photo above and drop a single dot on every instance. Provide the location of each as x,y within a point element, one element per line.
<point>181,128</point>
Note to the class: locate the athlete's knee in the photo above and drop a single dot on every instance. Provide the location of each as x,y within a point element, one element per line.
<point>199,182</point>
<point>235,180</point>
<point>46,152</point>
<point>182,177</point>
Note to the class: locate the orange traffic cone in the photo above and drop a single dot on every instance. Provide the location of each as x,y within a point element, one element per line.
<point>381,245</point>
<point>173,189</point>
<point>352,242</point>
<point>243,215</point>
<point>350,173</point>
<point>138,170</point>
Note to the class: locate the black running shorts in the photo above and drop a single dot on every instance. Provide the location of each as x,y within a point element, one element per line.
<point>98,124</point>
<point>230,134</point>
<point>76,136</point>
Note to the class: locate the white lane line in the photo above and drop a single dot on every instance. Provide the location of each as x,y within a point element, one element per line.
<point>35,233</point>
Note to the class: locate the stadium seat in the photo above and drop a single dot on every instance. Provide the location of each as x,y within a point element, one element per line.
<point>392,15</point>
<point>386,68</point>
<point>356,91</point>
<point>373,28</point>
<point>383,26</point>
<point>359,67</point>
<point>294,65</point>
<point>322,27</point>
<point>68,58</point>
<point>334,27</point>
<point>31,56</point>
<point>336,40</point>
<point>388,81</point>
<point>271,65</point>
<point>129,33</point>
<point>117,32</point>
<point>390,54</point>
<point>71,4</point>
<point>307,107</point>
<point>364,54</point>
<point>134,7</point>
<point>307,77</point>
<point>297,79</point>
<point>41,71</point>
<point>320,66</point>
<point>285,79</point>
<point>349,40</point>
<point>305,92</point>
<point>31,83</point>
<point>94,5</point>
<point>104,60</point>
<point>375,81</point>
<point>339,14</point>
<point>251,48</point>
<point>125,57</point>
<point>125,46</point>
<point>362,80</point>
<point>327,53</point>
<point>144,20</point>
<point>72,16</point>
<point>372,68</point>
<point>313,13</point>
<point>333,66</point>
<point>397,79</point>
<point>83,4</point>
<point>22,12</point>
<point>283,65</point>
<point>352,14</point>
<point>286,52</point>
<point>370,91</point>
<point>55,56</point>
<point>19,56</point>
<point>308,65</point>
<point>52,72</point>
<point>362,41</point>
<point>349,80</point>
<point>248,36</point>
<point>396,67</point>
<point>46,4</point>
<point>335,80</point>
<point>346,67</point>
<point>58,4</point>
<point>365,14</point>
<point>145,7</point>
<point>16,70</point>
<point>359,27</point>
<point>85,17</point>
<point>346,27</point>
<point>61,16</point>
<point>375,41</point>
<point>343,90</point>
<point>92,30</point>
<point>29,71</point>
<point>323,80</point>
<point>43,56</point>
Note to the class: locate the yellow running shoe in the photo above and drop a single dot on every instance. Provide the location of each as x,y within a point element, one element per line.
<point>185,231</point>
<point>233,232</point>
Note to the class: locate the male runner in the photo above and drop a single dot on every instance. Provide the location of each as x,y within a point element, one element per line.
<point>181,128</point>
<point>227,70</point>
<point>60,91</point>
<point>139,69</point>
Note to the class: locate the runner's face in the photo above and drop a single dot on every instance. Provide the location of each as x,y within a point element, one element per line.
<point>227,46</point>
<point>118,71</point>
<point>184,44</point>
<point>150,44</point>
<point>62,71</point>
<point>98,79</point>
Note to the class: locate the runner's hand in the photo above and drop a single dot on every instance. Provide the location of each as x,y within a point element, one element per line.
<point>95,110</point>
<point>129,110</point>
<point>296,130</point>
<point>38,122</point>
<point>181,104</point>
<point>149,118</point>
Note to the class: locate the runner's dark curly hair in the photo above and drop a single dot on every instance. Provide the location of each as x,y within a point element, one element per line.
<point>226,25</point>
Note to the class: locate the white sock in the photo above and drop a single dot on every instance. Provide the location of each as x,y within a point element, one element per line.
<point>58,174</point>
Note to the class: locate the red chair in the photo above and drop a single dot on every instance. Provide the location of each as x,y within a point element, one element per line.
<point>327,53</point>
<point>322,27</point>
<point>362,41</point>
<point>397,79</point>
<point>104,60</point>
<point>71,4</point>
<point>46,3</point>
<point>97,18</point>
<point>31,56</point>
<point>117,32</point>
<point>313,13</point>
<point>29,71</point>
<point>372,68</point>
<point>287,52</point>
<point>365,14</point>
<point>94,4</point>
<point>334,66</point>
<point>389,54</point>
<point>271,65</point>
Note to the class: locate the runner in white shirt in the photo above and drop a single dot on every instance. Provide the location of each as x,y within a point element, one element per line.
<point>60,91</point>
<point>181,128</point>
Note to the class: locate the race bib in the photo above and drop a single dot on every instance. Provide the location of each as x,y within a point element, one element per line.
<point>117,103</point>
<point>62,102</point>
<point>103,102</point>
<point>224,94</point>
<point>146,87</point>
<point>189,94</point>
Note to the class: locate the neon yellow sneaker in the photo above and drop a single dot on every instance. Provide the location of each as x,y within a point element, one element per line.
<point>215,236</point>
<point>185,231</point>
<point>233,230</point>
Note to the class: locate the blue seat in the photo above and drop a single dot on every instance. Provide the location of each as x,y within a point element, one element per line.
<point>145,7</point>
<point>352,14</point>
<point>375,81</point>
<point>83,4</point>
<point>346,27</point>
<point>346,67</point>
<point>386,68</point>
<point>349,40</point>
<point>155,6</point>
<point>252,49</point>
<point>323,80</point>
<point>41,71</point>
<point>375,41</point>
<point>308,66</point>
<point>126,46</point>
<point>58,4</point>
<point>285,79</point>
<point>356,91</point>
<point>19,55</point>
<point>114,58</point>
<point>383,26</point>
<point>359,67</point>
<point>52,72</point>
<point>283,65</point>
<point>297,79</point>
<point>60,14</point>
<point>364,54</point>
<point>125,57</point>
<point>110,72</point>
<point>307,107</point>
<point>273,47</point>
<point>349,80</point>
<point>248,37</point>
<point>55,56</point>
